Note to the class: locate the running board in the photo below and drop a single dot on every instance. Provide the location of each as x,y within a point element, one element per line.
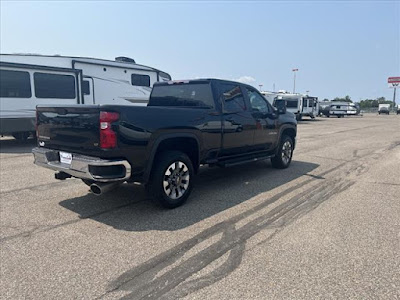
<point>244,160</point>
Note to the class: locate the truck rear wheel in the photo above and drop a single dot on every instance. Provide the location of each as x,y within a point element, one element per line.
<point>284,154</point>
<point>171,179</point>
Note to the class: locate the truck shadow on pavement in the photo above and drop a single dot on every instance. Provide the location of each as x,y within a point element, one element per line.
<point>216,190</point>
<point>219,249</point>
<point>14,146</point>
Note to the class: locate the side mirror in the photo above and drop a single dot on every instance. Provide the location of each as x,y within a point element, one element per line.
<point>281,107</point>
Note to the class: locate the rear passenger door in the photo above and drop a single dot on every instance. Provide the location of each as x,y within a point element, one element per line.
<point>238,123</point>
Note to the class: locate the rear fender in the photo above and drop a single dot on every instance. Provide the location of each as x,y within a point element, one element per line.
<point>155,146</point>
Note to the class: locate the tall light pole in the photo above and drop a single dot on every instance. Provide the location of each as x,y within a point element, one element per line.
<point>260,85</point>
<point>294,80</point>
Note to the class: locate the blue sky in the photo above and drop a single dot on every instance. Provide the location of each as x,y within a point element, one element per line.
<point>340,47</point>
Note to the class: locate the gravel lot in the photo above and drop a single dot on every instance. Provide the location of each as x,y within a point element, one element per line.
<point>326,228</point>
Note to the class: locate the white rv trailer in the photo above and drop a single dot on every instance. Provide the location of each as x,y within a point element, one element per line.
<point>310,106</point>
<point>299,104</point>
<point>28,80</point>
<point>341,109</point>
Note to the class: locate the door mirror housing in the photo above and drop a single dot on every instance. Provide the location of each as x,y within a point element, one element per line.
<point>281,107</point>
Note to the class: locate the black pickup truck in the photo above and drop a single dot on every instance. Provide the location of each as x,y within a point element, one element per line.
<point>185,124</point>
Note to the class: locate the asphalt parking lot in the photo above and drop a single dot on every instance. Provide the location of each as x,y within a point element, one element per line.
<point>326,228</point>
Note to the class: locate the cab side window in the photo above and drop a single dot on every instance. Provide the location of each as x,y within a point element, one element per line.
<point>257,102</point>
<point>232,97</point>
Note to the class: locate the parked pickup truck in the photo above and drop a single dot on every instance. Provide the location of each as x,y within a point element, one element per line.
<point>186,124</point>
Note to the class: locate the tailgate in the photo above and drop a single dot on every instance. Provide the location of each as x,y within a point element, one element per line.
<point>68,127</point>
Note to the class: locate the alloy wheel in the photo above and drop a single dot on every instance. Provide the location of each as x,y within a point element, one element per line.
<point>176,180</point>
<point>286,152</point>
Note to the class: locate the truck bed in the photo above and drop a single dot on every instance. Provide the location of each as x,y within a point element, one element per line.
<point>76,129</point>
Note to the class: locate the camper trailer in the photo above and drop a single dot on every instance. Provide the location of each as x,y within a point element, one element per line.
<point>299,104</point>
<point>341,109</point>
<point>310,106</point>
<point>294,103</point>
<point>29,80</point>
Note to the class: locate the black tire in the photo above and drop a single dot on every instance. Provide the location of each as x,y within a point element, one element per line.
<point>21,136</point>
<point>283,156</point>
<point>173,189</point>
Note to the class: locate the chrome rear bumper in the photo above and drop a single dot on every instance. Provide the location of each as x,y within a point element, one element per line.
<point>85,167</point>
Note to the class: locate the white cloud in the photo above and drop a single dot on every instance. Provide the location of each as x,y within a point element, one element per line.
<point>245,79</point>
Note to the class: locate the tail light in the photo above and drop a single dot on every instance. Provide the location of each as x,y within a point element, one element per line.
<point>108,137</point>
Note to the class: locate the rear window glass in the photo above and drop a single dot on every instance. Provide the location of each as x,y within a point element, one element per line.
<point>140,80</point>
<point>54,86</point>
<point>15,84</point>
<point>194,95</point>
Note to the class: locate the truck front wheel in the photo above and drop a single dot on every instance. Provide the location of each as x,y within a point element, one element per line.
<point>171,179</point>
<point>284,154</point>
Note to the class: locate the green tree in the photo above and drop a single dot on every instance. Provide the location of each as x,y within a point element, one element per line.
<point>373,103</point>
<point>347,98</point>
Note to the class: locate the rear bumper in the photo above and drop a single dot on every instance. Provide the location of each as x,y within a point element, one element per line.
<point>84,167</point>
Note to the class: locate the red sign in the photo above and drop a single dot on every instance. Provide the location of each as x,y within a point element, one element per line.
<point>394,80</point>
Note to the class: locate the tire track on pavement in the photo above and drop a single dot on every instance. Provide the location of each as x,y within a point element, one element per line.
<point>143,283</point>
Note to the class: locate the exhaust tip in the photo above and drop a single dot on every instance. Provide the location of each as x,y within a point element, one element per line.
<point>95,189</point>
